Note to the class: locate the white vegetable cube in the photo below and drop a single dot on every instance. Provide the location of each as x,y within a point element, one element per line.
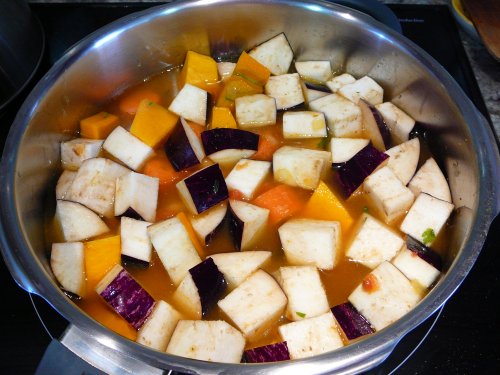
<point>286,89</point>
<point>127,148</point>
<point>304,124</point>
<point>384,296</point>
<point>275,54</point>
<point>399,123</point>
<point>253,111</point>
<point>364,88</point>
<point>312,94</point>
<point>343,117</point>
<point>315,71</point>
<point>403,159</point>
<point>304,291</point>
<point>248,222</point>
<point>339,81</point>
<point>134,239</point>
<point>426,214</point>
<point>191,104</point>
<point>388,193</point>
<point>206,224</point>
<point>64,183</point>
<point>310,337</point>
<point>137,192</point>
<point>255,304</point>
<point>300,167</point>
<point>158,329</point>
<point>186,296</point>
<point>67,261</point>
<point>343,149</point>
<point>237,266</point>
<point>373,242</point>
<point>415,268</point>
<point>213,341</point>
<point>308,241</point>
<point>429,179</point>
<point>74,152</point>
<point>77,222</point>
<point>177,252</point>
<point>225,69</point>
<point>247,175</point>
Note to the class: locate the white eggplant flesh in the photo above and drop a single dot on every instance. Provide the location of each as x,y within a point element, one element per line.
<point>339,81</point>
<point>207,223</point>
<point>225,69</point>
<point>318,71</point>
<point>304,124</point>
<point>134,239</point>
<point>364,88</point>
<point>399,122</point>
<point>254,111</point>
<point>137,192</point>
<point>74,152</point>
<point>312,94</point>
<point>67,261</point>
<point>416,269</point>
<point>191,103</point>
<point>158,329</point>
<point>247,176</point>
<point>403,160</point>
<point>343,149</point>
<point>127,148</point>
<point>247,223</point>
<point>77,222</point>
<point>430,179</point>
<point>64,183</point>
<point>275,54</point>
<point>285,89</point>
<point>186,296</point>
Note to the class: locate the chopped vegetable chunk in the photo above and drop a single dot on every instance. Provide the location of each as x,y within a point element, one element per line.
<point>98,126</point>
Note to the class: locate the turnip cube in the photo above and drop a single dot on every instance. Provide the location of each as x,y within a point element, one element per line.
<point>127,148</point>
<point>246,223</point>
<point>300,167</point>
<point>310,337</point>
<point>307,241</point>
<point>255,304</point>
<point>304,124</point>
<point>177,252</point>
<point>373,242</point>
<point>399,123</point>
<point>74,152</point>
<point>403,159</point>
<point>315,71</point>
<point>388,193</point>
<point>253,111</point>
<point>139,193</point>
<point>343,117</point>
<point>213,341</point>
<point>247,175</point>
<point>77,222</point>
<point>429,179</point>
<point>275,54</point>
<point>64,183</point>
<point>225,69</point>
<point>304,291</point>
<point>191,104</point>
<point>384,296</point>
<point>343,149</point>
<point>339,81</point>
<point>427,214</point>
<point>237,266</point>
<point>207,223</point>
<point>134,239</point>
<point>364,88</point>
<point>158,329</point>
<point>286,89</point>
<point>415,268</point>
<point>68,265</point>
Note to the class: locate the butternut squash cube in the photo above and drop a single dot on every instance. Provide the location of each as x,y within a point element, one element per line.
<point>98,126</point>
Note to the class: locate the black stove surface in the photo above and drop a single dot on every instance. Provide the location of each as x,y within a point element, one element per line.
<point>461,339</point>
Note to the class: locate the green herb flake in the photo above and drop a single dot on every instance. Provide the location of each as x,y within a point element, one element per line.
<point>428,236</point>
<point>216,186</point>
<point>301,314</point>
<point>323,143</point>
<point>105,114</point>
<point>151,103</point>
<point>366,209</point>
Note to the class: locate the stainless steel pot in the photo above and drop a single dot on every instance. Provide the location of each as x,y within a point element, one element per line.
<point>143,44</point>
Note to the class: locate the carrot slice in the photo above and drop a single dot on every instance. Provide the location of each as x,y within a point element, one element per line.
<point>98,126</point>
<point>159,166</point>
<point>131,100</point>
<point>270,140</point>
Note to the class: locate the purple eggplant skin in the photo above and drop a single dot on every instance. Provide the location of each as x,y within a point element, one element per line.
<point>178,149</point>
<point>236,226</point>
<point>210,282</point>
<point>382,126</point>
<point>223,51</point>
<point>225,138</point>
<point>353,172</point>
<point>133,262</point>
<point>268,353</point>
<point>424,252</point>
<point>207,187</point>
<point>351,321</point>
<point>318,87</point>
<point>133,214</point>
<point>129,299</point>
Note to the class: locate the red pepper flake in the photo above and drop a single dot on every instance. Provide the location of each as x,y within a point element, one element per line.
<point>370,283</point>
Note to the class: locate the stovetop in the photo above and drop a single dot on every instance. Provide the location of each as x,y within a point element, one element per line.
<point>462,338</point>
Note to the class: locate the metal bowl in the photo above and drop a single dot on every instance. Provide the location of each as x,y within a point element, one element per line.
<point>127,51</point>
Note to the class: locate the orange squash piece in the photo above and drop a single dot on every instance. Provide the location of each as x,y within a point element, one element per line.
<point>98,126</point>
<point>192,235</point>
<point>199,70</point>
<point>235,87</point>
<point>153,123</point>
<point>222,118</point>
<point>100,256</point>
<point>251,69</point>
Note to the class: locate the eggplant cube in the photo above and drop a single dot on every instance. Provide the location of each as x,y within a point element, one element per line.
<point>183,148</point>
<point>247,176</point>
<point>427,214</point>
<point>158,329</point>
<point>191,104</point>
<point>351,321</point>
<point>307,241</point>
<point>403,160</point>
<point>203,189</point>
<point>127,148</point>
<point>227,146</point>
<point>267,353</point>
<point>343,117</point>
<point>67,261</point>
<point>225,69</point>
<point>137,192</point>
<point>312,94</point>
<point>275,54</point>
<point>74,152</point>
<point>134,239</point>
<point>310,337</point>
<point>255,304</point>
<point>300,167</point>
<point>253,111</point>
<point>207,223</point>
<point>213,341</point>
<point>388,193</point>
<point>364,88</point>
<point>415,268</point>
<point>314,71</point>
<point>339,81</point>
<point>177,252</point>
<point>64,183</point>
<point>373,242</point>
<point>384,296</point>
<point>344,149</point>
<point>304,291</point>
<point>286,89</point>
<point>247,222</point>
<point>429,179</point>
<point>77,222</point>
<point>304,124</point>
<point>399,123</point>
